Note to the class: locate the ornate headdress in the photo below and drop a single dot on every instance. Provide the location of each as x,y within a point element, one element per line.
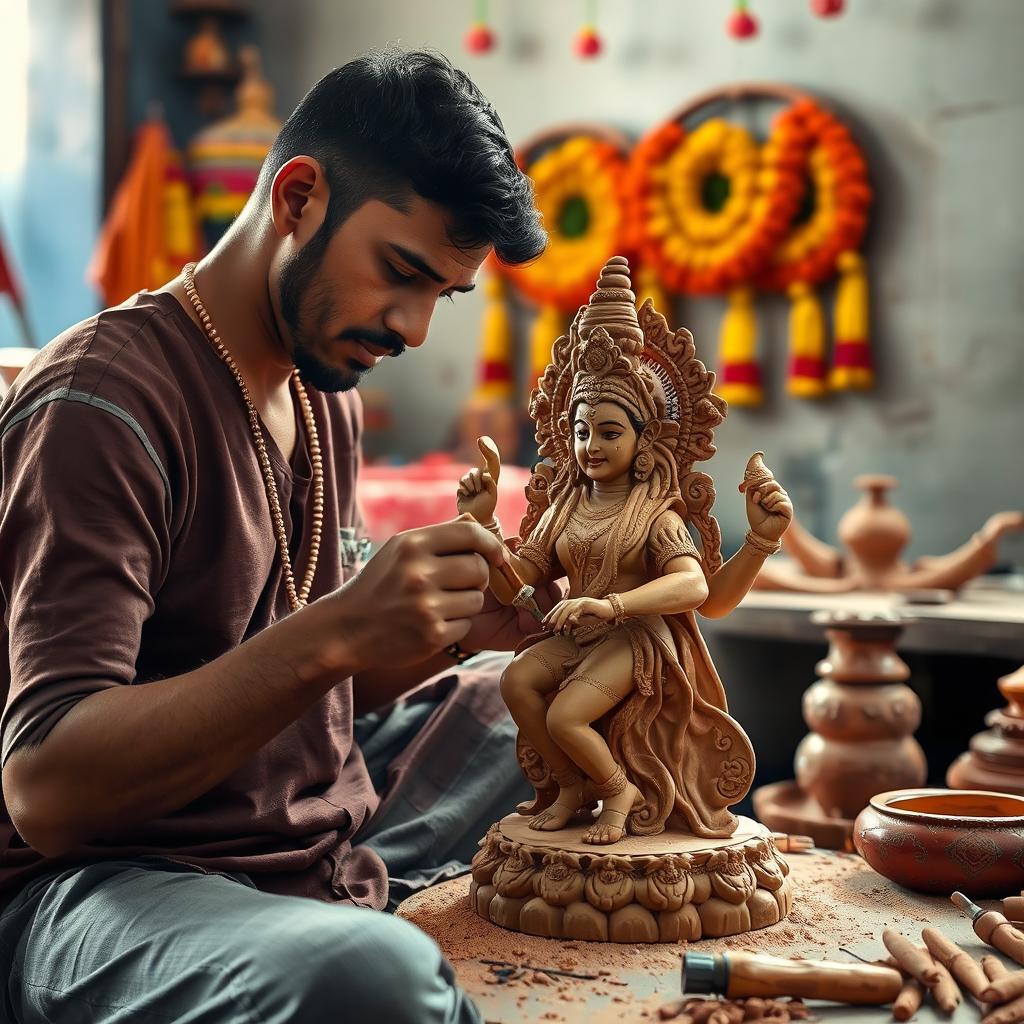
<point>612,353</point>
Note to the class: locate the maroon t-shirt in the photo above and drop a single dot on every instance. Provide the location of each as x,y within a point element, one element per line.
<point>136,544</point>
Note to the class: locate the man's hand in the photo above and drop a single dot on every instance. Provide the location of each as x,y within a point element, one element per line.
<point>501,627</point>
<point>416,596</point>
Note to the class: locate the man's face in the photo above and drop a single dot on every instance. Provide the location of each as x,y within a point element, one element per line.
<point>374,290</point>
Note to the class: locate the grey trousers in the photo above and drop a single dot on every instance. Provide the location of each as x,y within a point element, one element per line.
<point>153,941</point>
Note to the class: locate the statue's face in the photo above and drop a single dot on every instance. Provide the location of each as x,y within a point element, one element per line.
<point>604,441</point>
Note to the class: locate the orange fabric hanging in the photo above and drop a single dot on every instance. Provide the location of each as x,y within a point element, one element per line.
<point>142,227</point>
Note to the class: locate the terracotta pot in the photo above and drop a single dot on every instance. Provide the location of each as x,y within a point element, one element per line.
<point>862,716</point>
<point>873,531</point>
<point>996,758</point>
<point>941,840</point>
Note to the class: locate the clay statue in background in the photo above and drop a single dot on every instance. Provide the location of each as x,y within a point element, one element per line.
<point>617,700</point>
<point>874,534</point>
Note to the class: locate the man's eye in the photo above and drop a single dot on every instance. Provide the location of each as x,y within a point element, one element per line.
<point>580,436</point>
<point>447,296</point>
<point>397,274</point>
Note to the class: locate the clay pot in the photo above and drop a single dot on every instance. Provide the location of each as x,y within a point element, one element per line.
<point>995,760</point>
<point>941,840</point>
<point>862,715</point>
<point>873,531</point>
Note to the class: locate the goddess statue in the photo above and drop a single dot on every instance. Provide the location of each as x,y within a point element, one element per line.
<point>617,700</point>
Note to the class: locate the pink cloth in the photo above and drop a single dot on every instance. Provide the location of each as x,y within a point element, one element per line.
<point>396,498</point>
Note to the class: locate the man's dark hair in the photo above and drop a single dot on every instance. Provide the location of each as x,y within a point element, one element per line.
<point>391,121</point>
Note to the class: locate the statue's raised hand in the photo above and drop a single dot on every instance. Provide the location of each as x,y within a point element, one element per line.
<point>769,510</point>
<point>478,489</point>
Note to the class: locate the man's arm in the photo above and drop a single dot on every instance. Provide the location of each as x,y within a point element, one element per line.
<point>127,754</point>
<point>132,753</point>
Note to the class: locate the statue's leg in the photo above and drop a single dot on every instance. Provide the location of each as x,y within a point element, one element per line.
<point>525,687</point>
<point>599,683</point>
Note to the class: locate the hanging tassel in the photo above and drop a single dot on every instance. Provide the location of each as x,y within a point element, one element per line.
<point>543,335</point>
<point>739,371</point>
<point>648,286</point>
<point>806,343</point>
<point>851,362</point>
<point>495,377</point>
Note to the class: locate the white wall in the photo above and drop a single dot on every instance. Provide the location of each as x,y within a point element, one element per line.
<point>933,90</point>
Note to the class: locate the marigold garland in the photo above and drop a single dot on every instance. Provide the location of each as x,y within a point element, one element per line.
<point>710,205</point>
<point>837,206</point>
<point>578,187</point>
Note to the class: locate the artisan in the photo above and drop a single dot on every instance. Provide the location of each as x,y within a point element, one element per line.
<point>191,828</point>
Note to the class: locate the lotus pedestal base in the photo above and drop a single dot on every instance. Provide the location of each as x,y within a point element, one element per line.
<point>663,888</point>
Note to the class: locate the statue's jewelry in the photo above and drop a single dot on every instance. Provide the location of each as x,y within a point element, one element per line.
<point>296,598</point>
<point>617,606</point>
<point>761,545</point>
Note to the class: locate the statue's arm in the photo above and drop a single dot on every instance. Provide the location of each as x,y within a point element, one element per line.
<point>677,584</point>
<point>681,588</point>
<point>814,556</point>
<point>769,513</point>
<point>730,584</point>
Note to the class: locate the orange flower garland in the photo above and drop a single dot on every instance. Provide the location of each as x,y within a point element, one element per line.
<point>824,238</point>
<point>710,205</point>
<point>836,197</point>
<point>579,191</point>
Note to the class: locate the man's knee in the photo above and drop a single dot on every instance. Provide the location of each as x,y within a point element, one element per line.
<point>372,966</point>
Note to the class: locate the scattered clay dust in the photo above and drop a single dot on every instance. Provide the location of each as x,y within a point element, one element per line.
<point>837,901</point>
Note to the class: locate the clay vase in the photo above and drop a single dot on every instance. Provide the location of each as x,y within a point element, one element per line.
<point>862,716</point>
<point>995,760</point>
<point>874,532</point>
<point>941,840</point>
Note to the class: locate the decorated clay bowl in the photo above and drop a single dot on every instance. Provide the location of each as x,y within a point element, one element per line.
<point>939,840</point>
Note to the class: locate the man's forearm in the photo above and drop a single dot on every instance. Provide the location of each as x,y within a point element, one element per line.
<point>133,753</point>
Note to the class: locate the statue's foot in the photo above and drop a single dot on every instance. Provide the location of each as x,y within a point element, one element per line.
<point>530,806</point>
<point>610,826</point>
<point>571,799</point>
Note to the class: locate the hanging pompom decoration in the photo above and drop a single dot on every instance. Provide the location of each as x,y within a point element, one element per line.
<point>587,43</point>
<point>739,378</point>
<point>496,379</point>
<point>741,24</point>
<point>479,38</point>
<point>827,8</point>
<point>851,356</point>
<point>807,374</point>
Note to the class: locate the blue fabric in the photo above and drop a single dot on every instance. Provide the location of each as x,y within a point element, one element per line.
<point>156,941</point>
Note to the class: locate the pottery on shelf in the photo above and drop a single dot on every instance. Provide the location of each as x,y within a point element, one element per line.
<point>941,840</point>
<point>995,760</point>
<point>874,535</point>
<point>862,717</point>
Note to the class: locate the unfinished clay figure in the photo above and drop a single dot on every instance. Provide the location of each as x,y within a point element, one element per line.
<point>874,535</point>
<point>617,700</point>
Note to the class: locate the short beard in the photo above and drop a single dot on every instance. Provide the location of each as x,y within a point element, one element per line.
<point>297,277</point>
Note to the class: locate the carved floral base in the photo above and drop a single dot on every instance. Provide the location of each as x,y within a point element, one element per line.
<point>662,888</point>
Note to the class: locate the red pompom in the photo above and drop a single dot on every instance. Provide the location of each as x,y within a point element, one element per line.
<point>741,25</point>
<point>587,42</point>
<point>479,39</point>
<point>827,8</point>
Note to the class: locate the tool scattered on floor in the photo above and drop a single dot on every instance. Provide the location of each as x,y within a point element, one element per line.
<point>506,971</point>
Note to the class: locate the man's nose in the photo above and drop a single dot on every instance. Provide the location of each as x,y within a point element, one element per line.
<point>410,321</point>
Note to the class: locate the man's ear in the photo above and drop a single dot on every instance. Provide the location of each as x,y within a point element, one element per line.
<point>298,198</point>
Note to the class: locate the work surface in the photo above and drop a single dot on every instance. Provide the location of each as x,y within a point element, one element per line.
<point>986,617</point>
<point>839,903</point>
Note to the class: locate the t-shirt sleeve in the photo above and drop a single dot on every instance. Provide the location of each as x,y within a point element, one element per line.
<point>84,543</point>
